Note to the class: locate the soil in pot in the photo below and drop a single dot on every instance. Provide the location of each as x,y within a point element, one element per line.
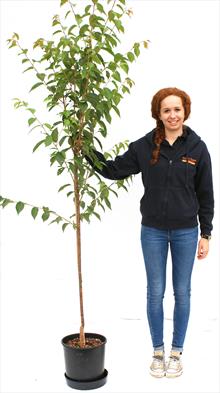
<point>90,343</point>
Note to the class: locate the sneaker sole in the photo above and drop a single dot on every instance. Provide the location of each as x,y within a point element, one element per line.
<point>174,375</point>
<point>157,375</point>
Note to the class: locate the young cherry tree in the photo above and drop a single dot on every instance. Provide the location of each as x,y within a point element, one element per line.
<point>85,78</point>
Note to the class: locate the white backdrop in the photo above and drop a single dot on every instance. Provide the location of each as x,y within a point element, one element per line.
<point>39,294</point>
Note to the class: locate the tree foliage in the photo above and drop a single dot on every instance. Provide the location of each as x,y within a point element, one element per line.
<point>82,78</point>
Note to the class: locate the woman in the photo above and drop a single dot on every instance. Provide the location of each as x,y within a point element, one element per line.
<point>177,177</point>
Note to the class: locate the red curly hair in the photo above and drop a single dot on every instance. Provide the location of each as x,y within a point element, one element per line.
<point>155,110</point>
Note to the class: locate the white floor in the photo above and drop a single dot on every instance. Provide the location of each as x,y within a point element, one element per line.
<point>37,366</point>
<point>38,307</point>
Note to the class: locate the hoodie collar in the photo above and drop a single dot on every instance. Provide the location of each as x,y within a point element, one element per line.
<point>189,136</point>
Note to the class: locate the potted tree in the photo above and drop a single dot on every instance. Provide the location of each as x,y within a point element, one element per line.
<point>85,77</point>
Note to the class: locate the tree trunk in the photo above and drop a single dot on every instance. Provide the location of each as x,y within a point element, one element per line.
<point>78,248</point>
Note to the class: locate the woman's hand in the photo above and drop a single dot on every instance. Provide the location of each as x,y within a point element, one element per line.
<point>203,248</point>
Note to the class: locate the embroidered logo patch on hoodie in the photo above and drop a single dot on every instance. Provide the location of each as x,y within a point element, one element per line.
<point>189,160</point>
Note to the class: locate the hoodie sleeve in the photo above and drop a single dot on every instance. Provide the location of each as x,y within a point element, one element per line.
<point>204,192</point>
<point>119,168</point>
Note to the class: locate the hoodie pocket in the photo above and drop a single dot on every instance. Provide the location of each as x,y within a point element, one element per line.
<point>182,202</point>
<point>151,202</point>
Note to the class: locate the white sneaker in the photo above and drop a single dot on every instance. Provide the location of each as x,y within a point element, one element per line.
<point>158,367</point>
<point>174,366</point>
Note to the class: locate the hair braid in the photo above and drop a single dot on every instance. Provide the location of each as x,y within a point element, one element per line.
<point>158,139</point>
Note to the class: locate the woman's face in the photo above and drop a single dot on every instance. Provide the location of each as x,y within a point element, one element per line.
<point>172,113</point>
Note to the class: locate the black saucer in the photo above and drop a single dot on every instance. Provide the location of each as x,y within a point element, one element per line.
<point>86,385</point>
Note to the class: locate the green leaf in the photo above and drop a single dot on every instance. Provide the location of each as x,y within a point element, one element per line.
<point>45,215</point>
<point>60,170</point>
<point>91,194</point>
<point>57,220</point>
<point>62,187</point>
<point>5,202</point>
<point>103,132</point>
<point>41,76</point>
<point>97,215</point>
<point>101,205</point>
<point>60,157</point>
<point>38,144</point>
<point>48,125</point>
<point>110,39</point>
<point>100,145</point>
<point>130,56</point>
<point>114,192</point>
<point>117,97</point>
<point>92,98</point>
<point>27,69</point>
<point>62,2</point>
<point>119,26</point>
<point>85,216</point>
<point>55,135</point>
<point>107,93</point>
<point>116,76</point>
<point>82,204</point>
<point>71,28</point>
<point>68,12</point>
<point>78,19</point>
<point>19,207</point>
<point>31,120</point>
<point>121,8</point>
<point>34,212</point>
<point>124,67</point>
<point>100,8</point>
<point>83,29</point>
<point>125,89</point>
<point>108,117</point>
<point>111,15</point>
<point>112,66</point>
<point>87,8</point>
<point>12,42</point>
<point>39,42</point>
<point>57,32</point>
<point>56,20</point>
<point>32,110</point>
<point>15,35</point>
<point>48,140</point>
<point>62,140</point>
<point>107,203</point>
<point>130,82</point>
<point>35,86</point>
<point>118,57</point>
<point>137,49</point>
<point>64,226</point>
<point>116,110</point>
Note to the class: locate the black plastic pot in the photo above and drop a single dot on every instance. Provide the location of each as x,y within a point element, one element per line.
<point>85,366</point>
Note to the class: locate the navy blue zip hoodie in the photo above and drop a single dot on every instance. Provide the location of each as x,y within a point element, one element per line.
<point>176,191</point>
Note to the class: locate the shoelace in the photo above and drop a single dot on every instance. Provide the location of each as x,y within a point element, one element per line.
<point>158,361</point>
<point>173,362</point>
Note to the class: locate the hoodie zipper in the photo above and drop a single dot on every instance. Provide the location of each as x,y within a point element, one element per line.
<point>170,163</point>
<point>167,188</point>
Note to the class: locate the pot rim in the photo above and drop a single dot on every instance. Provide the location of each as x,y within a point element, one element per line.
<point>75,335</point>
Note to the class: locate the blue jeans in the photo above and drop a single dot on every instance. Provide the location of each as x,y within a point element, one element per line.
<point>183,245</point>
